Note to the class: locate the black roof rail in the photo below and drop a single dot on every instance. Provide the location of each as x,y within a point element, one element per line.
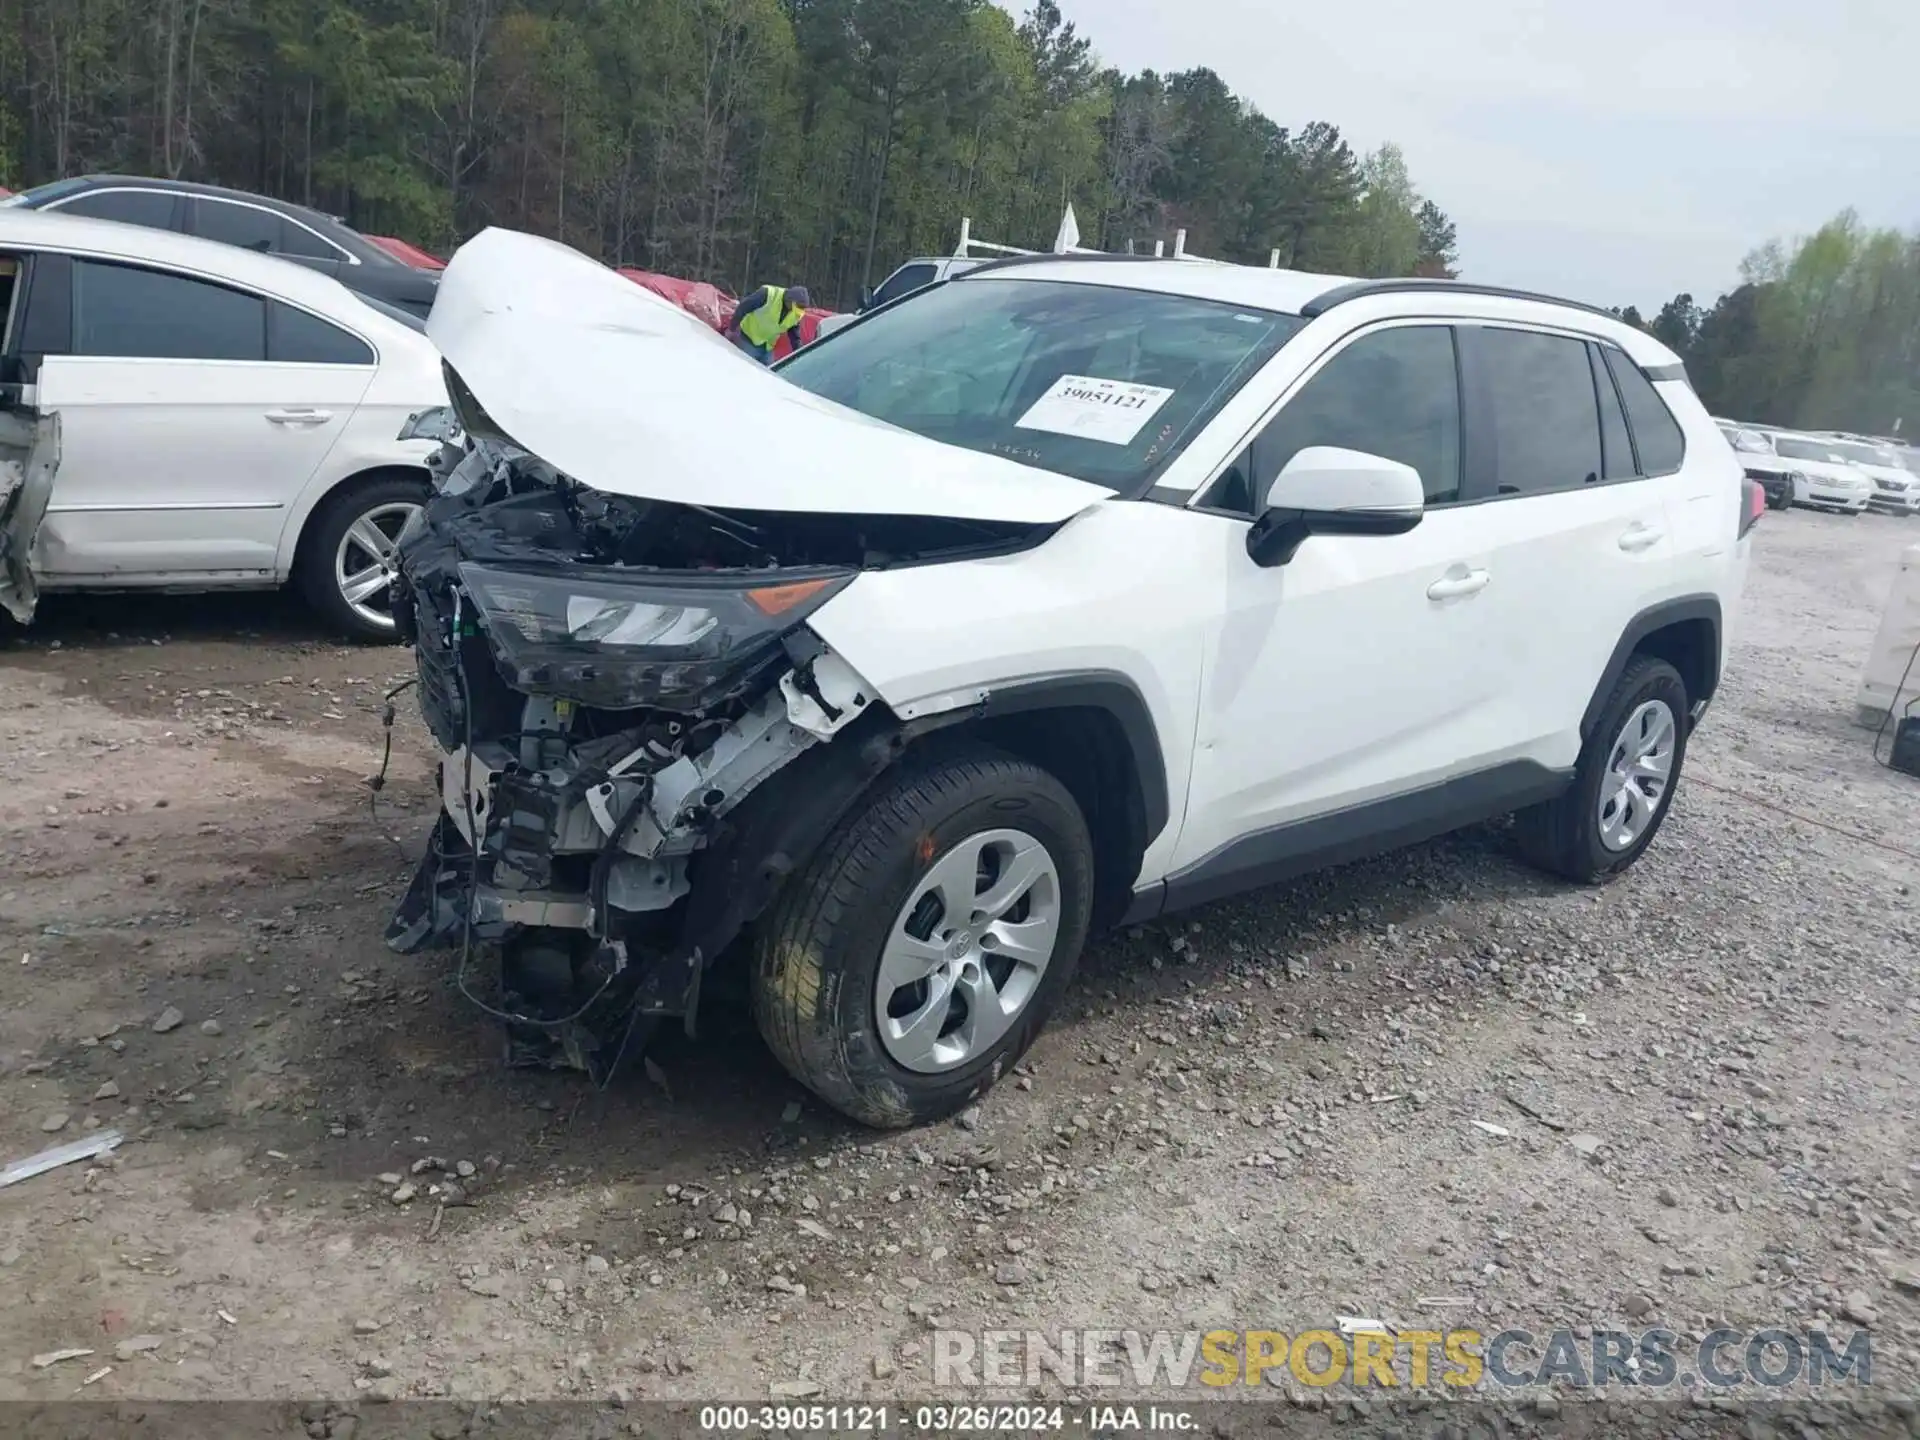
<point>1416,285</point>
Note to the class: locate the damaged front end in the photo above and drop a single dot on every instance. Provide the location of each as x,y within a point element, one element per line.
<point>29,456</point>
<point>634,723</point>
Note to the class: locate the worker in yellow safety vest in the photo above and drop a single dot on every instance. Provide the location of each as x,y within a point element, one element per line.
<point>760,319</point>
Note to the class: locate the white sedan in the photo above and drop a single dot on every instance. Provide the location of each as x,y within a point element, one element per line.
<point>177,414</point>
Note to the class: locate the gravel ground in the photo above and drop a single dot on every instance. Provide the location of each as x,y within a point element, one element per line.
<point>1687,1098</point>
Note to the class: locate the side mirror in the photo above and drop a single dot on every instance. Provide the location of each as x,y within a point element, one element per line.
<point>1325,490</point>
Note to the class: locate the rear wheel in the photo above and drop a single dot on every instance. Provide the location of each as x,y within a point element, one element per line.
<point>1623,783</point>
<point>914,960</point>
<point>348,561</point>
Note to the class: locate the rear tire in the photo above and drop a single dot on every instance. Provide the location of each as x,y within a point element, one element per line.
<point>974,831</point>
<point>332,559</point>
<point>1608,817</point>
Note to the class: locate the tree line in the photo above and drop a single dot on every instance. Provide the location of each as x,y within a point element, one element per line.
<point>739,141</point>
<point>1821,333</point>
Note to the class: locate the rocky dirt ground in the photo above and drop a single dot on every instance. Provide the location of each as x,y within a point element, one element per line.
<point>1689,1097</point>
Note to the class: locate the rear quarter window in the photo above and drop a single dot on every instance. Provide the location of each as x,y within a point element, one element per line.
<point>1656,434</point>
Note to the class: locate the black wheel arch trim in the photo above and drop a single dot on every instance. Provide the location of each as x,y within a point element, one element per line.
<point>1107,690</point>
<point>1689,609</point>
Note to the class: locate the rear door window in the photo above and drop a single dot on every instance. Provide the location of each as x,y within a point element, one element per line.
<point>297,239</point>
<point>246,227</point>
<point>1546,416</point>
<point>296,338</point>
<point>126,311</point>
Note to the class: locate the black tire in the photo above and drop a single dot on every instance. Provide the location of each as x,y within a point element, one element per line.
<point>328,526</point>
<point>816,959</point>
<point>1562,836</point>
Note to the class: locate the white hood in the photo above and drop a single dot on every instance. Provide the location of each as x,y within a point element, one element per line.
<point>627,393</point>
<point>1833,472</point>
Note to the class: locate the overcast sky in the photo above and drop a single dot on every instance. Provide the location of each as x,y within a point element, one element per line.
<point>1614,152</point>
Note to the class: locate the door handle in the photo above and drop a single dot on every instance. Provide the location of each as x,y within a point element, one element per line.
<point>299,416</point>
<point>1641,537</point>
<point>1453,586</point>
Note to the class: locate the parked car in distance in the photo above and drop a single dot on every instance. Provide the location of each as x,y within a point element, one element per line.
<point>1896,490</point>
<point>251,222</point>
<point>1754,449</point>
<point>1152,584</point>
<point>1827,480</point>
<point>916,274</point>
<point>407,253</point>
<point>188,416</point>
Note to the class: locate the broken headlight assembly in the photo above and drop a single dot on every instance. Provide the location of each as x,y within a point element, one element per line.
<point>621,644</point>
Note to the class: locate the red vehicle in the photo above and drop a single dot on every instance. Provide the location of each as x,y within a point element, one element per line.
<point>407,254</point>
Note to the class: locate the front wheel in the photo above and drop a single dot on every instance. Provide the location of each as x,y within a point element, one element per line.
<point>913,961</point>
<point>1623,782</point>
<point>349,559</point>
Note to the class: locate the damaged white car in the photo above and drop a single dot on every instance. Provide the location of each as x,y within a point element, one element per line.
<point>1068,591</point>
<point>200,418</point>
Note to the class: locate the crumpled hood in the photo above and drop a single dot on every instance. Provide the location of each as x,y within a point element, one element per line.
<point>627,393</point>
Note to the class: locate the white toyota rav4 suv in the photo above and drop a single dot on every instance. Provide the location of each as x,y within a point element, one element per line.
<point>1068,592</point>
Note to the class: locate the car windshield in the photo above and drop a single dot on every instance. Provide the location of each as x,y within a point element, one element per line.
<point>1750,441</point>
<point>1856,454</point>
<point>1097,382</point>
<point>52,190</point>
<point>1822,450</point>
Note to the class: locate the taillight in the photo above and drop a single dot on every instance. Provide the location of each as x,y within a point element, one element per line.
<point>1753,504</point>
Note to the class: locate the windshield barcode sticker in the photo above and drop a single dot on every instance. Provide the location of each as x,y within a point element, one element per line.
<point>1110,411</point>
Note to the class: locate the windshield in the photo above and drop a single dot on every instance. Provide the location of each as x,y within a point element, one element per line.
<point>1823,450</point>
<point>1104,384</point>
<point>1750,441</point>
<point>1854,453</point>
<point>39,194</point>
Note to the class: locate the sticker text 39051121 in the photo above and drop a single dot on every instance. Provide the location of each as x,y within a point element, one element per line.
<point>1111,411</point>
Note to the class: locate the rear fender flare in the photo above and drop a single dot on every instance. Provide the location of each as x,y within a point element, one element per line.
<point>1692,608</point>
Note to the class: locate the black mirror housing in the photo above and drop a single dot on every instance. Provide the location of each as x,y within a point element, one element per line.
<point>1277,535</point>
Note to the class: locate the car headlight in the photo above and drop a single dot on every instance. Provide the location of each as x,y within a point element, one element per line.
<point>677,644</point>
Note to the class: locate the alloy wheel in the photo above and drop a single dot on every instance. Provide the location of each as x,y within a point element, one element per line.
<point>967,951</point>
<point>1639,770</point>
<point>365,563</point>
